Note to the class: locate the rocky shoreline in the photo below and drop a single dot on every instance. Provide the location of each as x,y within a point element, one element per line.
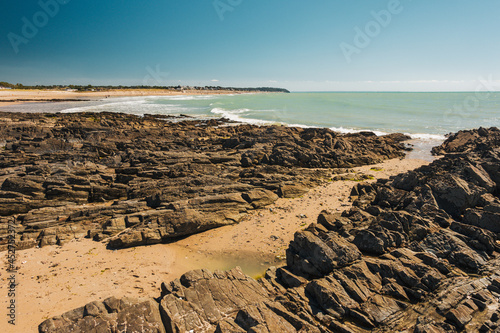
<point>145,180</point>
<point>417,253</point>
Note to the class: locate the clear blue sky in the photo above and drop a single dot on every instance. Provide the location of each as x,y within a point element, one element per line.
<point>296,44</point>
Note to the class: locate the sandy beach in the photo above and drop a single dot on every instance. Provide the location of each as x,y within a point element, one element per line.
<point>54,279</point>
<point>17,96</point>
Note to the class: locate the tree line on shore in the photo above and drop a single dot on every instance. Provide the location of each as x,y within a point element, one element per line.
<point>109,87</point>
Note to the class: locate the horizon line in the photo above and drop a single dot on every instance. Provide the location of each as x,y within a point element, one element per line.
<point>393,91</point>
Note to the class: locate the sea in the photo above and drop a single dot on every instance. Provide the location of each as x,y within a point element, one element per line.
<point>425,116</point>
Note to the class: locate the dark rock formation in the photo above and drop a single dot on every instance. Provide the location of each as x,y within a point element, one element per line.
<point>111,315</point>
<point>429,244</point>
<point>201,301</point>
<point>144,180</point>
<point>417,253</point>
<point>465,141</point>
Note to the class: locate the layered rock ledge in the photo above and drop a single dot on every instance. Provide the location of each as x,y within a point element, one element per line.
<point>144,180</point>
<point>417,253</point>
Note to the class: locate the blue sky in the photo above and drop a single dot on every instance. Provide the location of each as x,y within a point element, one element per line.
<point>405,45</point>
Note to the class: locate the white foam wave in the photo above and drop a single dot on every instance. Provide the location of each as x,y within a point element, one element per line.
<point>416,136</point>
<point>136,107</point>
<point>427,137</point>
<point>238,115</point>
<point>352,130</point>
<point>300,125</point>
<point>234,115</point>
<point>147,104</point>
<point>186,98</point>
<point>141,105</point>
<point>107,106</point>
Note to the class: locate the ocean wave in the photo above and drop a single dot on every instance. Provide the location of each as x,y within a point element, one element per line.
<point>299,125</point>
<point>92,108</point>
<point>427,137</point>
<point>141,105</point>
<point>147,104</point>
<point>186,98</point>
<point>106,106</point>
<point>234,115</point>
<point>416,136</point>
<point>352,130</point>
<point>138,107</point>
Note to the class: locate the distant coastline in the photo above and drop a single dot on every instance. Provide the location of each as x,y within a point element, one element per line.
<point>18,94</point>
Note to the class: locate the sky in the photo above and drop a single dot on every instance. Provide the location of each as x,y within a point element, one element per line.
<point>322,45</point>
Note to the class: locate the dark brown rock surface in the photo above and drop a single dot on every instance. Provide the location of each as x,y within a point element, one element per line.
<point>111,315</point>
<point>417,253</point>
<point>144,180</point>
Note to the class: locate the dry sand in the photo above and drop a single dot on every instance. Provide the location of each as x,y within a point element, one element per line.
<point>6,95</point>
<point>53,279</point>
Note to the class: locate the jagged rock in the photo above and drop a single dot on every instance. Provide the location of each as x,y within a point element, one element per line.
<point>419,253</point>
<point>202,301</point>
<point>112,315</point>
<point>316,254</point>
<point>454,194</point>
<point>288,279</point>
<point>464,141</point>
<point>486,218</point>
<point>447,245</point>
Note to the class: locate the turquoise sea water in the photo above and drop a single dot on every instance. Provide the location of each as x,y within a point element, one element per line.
<point>427,117</point>
<point>422,115</point>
